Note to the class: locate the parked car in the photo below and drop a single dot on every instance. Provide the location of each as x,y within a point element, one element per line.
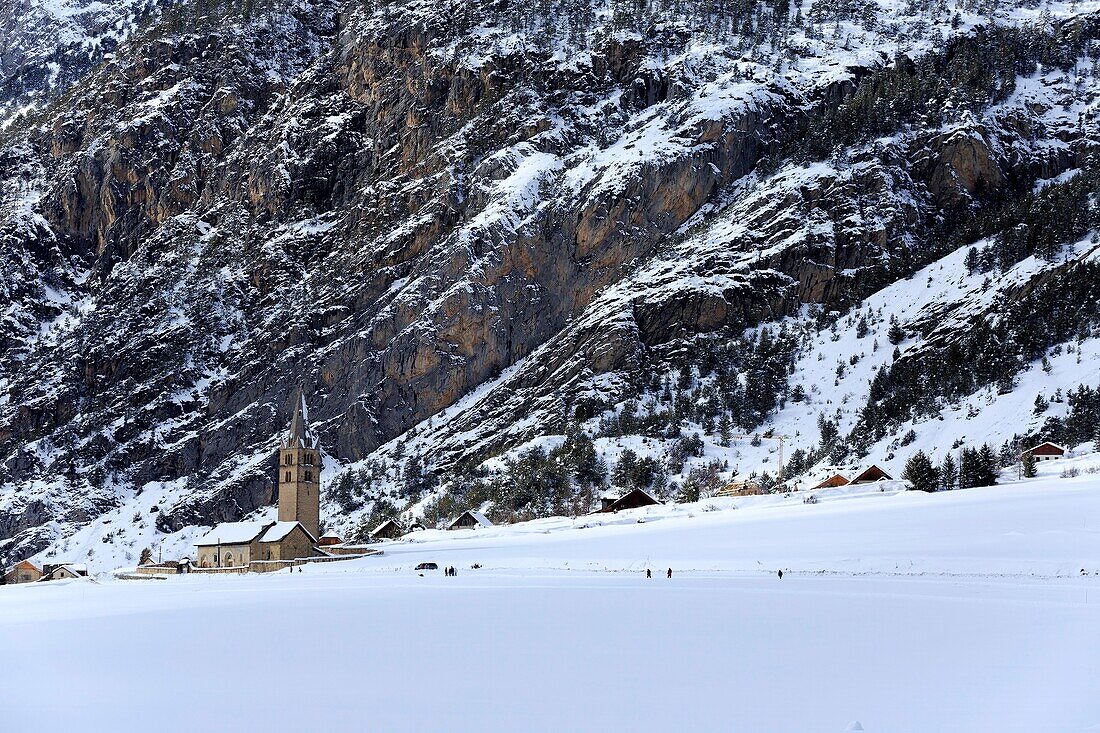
<point>427,566</point>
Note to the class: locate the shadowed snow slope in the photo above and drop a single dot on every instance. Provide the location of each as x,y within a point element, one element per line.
<point>998,636</point>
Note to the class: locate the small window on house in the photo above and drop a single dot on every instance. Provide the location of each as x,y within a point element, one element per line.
<point>309,475</point>
<point>288,476</point>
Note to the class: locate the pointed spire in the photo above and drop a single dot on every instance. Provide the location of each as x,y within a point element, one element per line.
<point>300,435</point>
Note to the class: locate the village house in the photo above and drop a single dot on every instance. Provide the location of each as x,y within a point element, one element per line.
<point>832,482</point>
<point>870,475</point>
<point>388,530</point>
<point>1046,451</point>
<point>632,499</point>
<point>23,572</point>
<point>469,519</point>
<point>741,488</point>
<point>329,540</point>
<point>64,571</point>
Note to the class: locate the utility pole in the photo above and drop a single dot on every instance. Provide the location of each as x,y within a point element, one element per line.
<point>780,438</point>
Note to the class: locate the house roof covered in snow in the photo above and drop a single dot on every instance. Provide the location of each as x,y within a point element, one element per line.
<point>280,530</point>
<point>74,569</point>
<point>478,518</point>
<point>233,533</point>
<point>386,525</point>
<point>632,499</point>
<point>1047,448</point>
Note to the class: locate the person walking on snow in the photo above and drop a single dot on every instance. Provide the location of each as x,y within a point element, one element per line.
<point>670,572</point>
<point>781,575</point>
<point>648,573</point>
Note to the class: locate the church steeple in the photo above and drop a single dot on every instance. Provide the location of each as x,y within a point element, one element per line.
<point>300,471</point>
<point>300,436</point>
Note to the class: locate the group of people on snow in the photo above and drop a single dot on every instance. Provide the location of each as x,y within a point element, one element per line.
<point>649,573</point>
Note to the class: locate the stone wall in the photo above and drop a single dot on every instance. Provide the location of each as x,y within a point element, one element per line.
<point>350,550</point>
<point>172,569</point>
<point>240,569</point>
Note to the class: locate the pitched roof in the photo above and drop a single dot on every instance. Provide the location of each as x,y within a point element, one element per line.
<point>300,435</point>
<point>630,500</point>
<point>233,533</point>
<point>70,568</point>
<point>870,474</point>
<point>383,525</point>
<point>837,479</point>
<point>279,530</point>
<point>24,565</point>
<point>478,518</point>
<point>1046,444</point>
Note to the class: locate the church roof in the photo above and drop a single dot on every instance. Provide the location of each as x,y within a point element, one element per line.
<point>234,533</point>
<point>300,434</point>
<point>279,530</point>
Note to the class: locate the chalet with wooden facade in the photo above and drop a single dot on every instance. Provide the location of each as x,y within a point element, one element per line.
<point>832,482</point>
<point>469,519</point>
<point>633,499</point>
<point>23,572</point>
<point>1046,451</point>
<point>388,530</point>
<point>870,475</point>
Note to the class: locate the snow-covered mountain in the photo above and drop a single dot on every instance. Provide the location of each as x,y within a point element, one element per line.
<point>474,229</point>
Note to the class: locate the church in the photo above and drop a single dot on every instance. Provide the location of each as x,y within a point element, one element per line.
<point>294,535</point>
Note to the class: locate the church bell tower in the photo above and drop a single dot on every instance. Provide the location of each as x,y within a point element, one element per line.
<point>300,472</point>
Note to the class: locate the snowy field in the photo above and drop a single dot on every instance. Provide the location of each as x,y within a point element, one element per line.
<point>963,611</point>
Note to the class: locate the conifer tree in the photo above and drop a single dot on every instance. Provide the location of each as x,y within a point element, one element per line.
<point>623,475</point>
<point>987,466</point>
<point>949,474</point>
<point>920,472</point>
<point>725,430</point>
<point>896,335</point>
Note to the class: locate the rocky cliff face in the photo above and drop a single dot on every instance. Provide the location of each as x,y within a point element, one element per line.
<point>459,219</point>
